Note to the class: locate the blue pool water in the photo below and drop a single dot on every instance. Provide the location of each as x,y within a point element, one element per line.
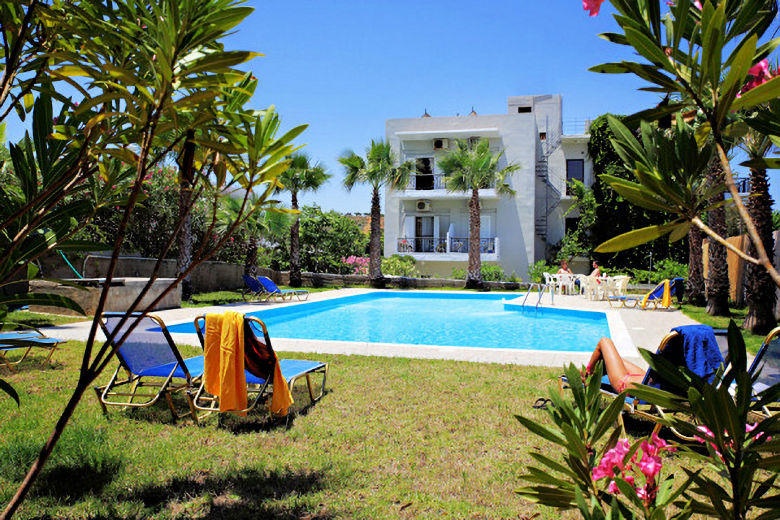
<point>457,320</point>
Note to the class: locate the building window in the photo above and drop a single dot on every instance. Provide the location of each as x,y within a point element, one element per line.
<point>575,170</point>
<point>424,178</point>
<point>523,110</point>
<point>542,136</point>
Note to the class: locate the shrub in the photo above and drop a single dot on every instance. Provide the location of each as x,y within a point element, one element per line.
<point>537,269</point>
<point>492,273</point>
<point>358,264</point>
<point>400,265</point>
<point>665,269</point>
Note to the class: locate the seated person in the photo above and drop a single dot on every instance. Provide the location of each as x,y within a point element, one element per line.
<point>621,373</point>
<point>564,269</point>
<point>596,269</point>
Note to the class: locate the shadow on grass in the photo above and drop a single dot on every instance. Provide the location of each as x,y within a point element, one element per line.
<point>70,483</point>
<point>246,494</point>
<point>264,422</point>
<point>258,420</point>
<point>31,364</point>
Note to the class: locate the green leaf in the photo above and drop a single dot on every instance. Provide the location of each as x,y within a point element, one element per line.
<point>634,238</point>
<point>32,270</point>
<point>51,300</point>
<point>647,48</point>
<point>771,163</point>
<point>758,95</point>
<point>735,77</point>
<point>540,430</point>
<point>28,99</point>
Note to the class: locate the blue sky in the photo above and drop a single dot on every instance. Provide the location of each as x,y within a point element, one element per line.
<point>344,67</point>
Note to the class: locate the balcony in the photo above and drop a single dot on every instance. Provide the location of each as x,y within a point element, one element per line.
<point>450,248</point>
<point>433,186</point>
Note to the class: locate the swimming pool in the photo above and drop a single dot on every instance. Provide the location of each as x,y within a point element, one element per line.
<point>453,320</point>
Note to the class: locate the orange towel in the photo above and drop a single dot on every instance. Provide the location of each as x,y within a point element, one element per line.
<point>281,398</point>
<point>223,368</point>
<point>666,300</point>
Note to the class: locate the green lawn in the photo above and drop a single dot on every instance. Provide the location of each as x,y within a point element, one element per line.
<point>392,438</point>
<point>752,341</point>
<point>224,297</point>
<point>24,319</point>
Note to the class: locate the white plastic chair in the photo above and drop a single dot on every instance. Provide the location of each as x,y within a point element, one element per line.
<point>552,281</point>
<point>566,284</point>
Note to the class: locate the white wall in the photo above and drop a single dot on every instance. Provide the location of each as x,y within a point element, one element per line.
<point>518,135</point>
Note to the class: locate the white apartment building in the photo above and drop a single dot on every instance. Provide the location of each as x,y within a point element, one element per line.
<point>432,224</point>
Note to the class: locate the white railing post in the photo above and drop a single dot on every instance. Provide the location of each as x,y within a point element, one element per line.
<point>448,242</point>
<point>497,251</point>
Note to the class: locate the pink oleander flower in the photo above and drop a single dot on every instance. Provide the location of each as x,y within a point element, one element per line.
<point>592,5</point>
<point>697,4</point>
<point>641,474</point>
<point>758,74</point>
<point>650,465</point>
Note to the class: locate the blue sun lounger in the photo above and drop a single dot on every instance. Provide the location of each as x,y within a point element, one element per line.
<point>765,368</point>
<point>27,340</point>
<point>253,288</point>
<point>274,291</point>
<point>260,362</point>
<point>653,299</point>
<point>148,358</point>
<point>672,348</point>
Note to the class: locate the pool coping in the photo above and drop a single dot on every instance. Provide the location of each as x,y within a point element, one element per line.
<point>619,332</point>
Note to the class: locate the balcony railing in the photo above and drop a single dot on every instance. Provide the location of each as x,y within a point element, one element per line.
<point>445,245</point>
<point>426,182</point>
<point>422,245</point>
<point>433,182</point>
<point>461,245</point>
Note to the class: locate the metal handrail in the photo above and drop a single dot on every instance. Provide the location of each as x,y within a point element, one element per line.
<point>542,287</point>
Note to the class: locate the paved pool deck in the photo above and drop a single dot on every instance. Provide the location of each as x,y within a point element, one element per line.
<point>629,328</point>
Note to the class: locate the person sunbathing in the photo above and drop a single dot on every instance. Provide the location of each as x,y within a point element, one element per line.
<point>621,373</point>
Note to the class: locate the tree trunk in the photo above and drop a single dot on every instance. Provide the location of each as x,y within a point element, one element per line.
<point>474,273</point>
<point>759,288</point>
<point>695,287</point>
<point>295,247</point>
<point>718,268</point>
<point>374,247</point>
<point>250,262</point>
<point>185,199</point>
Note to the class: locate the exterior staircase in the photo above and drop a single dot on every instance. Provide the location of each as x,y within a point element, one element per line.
<point>552,196</point>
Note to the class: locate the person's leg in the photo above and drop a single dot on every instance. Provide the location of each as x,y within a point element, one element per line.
<point>614,365</point>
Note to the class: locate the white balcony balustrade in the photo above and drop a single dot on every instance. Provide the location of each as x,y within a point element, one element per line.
<point>446,248</point>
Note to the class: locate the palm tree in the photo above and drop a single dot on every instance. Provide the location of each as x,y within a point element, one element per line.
<point>694,290</point>
<point>376,170</point>
<point>759,288</point>
<point>470,169</point>
<point>303,175</point>
<point>718,269</point>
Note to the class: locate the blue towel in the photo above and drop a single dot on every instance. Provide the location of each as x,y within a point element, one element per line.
<point>700,349</point>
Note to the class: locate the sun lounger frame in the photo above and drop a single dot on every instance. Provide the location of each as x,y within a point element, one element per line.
<point>165,388</point>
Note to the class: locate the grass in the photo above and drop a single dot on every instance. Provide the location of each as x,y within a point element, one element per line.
<point>24,319</point>
<point>752,341</point>
<point>225,297</point>
<point>392,438</point>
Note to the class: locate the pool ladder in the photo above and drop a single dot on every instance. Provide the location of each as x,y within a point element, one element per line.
<point>542,287</point>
